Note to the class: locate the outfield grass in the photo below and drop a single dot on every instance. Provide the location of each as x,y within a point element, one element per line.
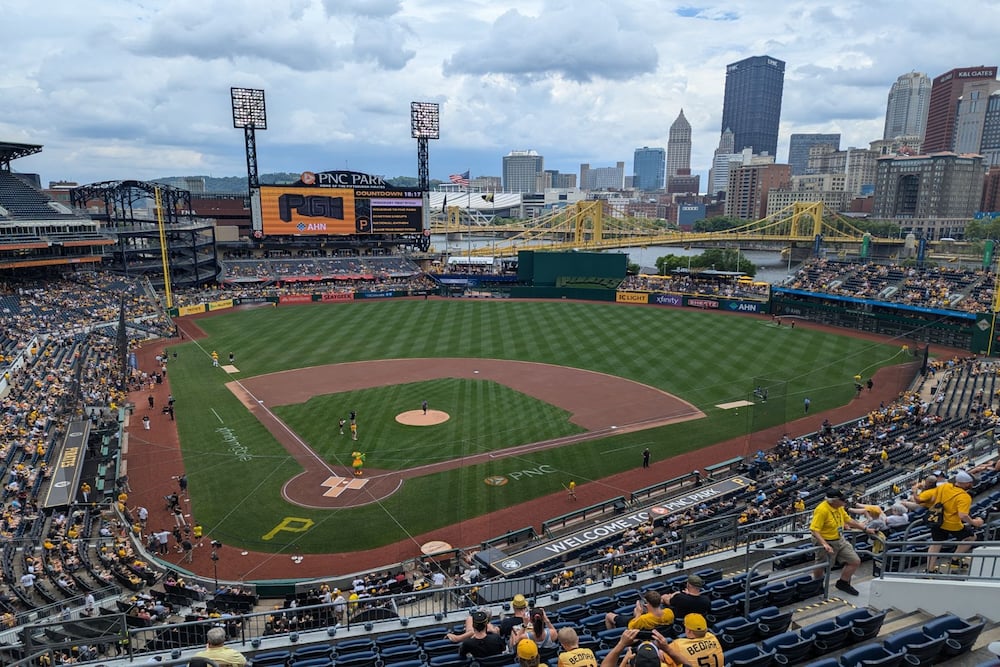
<point>703,358</point>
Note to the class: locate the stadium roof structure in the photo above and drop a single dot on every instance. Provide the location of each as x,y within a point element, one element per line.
<point>10,151</point>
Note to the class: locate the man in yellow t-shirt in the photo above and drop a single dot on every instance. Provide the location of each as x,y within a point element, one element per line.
<point>957,524</point>
<point>647,614</point>
<point>827,528</point>
<point>218,652</point>
<point>698,647</point>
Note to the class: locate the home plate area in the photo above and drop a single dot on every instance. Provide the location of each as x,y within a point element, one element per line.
<point>337,485</point>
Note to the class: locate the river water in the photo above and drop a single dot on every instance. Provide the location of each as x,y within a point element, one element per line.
<point>770,265</point>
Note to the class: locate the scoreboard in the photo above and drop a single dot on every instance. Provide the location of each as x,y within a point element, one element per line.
<point>340,203</point>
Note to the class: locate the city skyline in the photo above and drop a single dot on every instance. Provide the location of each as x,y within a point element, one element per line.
<point>128,90</point>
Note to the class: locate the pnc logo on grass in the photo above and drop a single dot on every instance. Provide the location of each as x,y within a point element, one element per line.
<point>496,480</point>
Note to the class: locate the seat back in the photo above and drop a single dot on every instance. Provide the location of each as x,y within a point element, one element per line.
<point>920,649</point>
<point>357,659</point>
<point>961,639</point>
<point>789,648</point>
<point>271,658</point>
<point>773,624</point>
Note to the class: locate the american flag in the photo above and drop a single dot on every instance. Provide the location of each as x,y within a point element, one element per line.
<point>460,179</point>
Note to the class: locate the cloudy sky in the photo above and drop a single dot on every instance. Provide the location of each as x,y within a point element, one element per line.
<point>121,89</point>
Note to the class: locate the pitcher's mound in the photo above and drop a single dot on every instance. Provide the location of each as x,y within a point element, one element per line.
<point>418,418</point>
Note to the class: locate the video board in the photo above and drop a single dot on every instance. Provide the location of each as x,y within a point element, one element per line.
<point>339,202</point>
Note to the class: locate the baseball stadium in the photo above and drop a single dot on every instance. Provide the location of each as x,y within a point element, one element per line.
<point>307,427</point>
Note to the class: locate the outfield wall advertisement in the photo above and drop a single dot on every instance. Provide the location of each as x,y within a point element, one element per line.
<point>703,303</point>
<point>339,203</point>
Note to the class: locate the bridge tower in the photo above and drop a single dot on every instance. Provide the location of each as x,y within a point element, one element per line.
<point>802,212</point>
<point>592,212</point>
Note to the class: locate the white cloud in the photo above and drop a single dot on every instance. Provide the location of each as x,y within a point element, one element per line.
<point>137,90</point>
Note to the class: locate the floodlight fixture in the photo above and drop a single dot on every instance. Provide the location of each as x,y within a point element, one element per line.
<point>425,120</point>
<point>248,108</point>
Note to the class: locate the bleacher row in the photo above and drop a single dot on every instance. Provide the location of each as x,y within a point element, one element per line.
<point>762,638</point>
<point>267,269</point>
<point>25,202</point>
<point>63,364</point>
<point>934,287</point>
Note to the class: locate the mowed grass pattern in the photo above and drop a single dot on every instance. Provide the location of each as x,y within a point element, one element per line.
<point>484,417</point>
<point>705,358</point>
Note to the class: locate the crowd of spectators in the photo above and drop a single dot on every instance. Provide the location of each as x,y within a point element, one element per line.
<point>57,359</point>
<point>930,287</point>
<point>316,269</point>
<point>698,284</point>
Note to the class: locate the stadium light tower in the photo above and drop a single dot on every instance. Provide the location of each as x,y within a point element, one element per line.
<point>425,123</point>
<point>250,114</point>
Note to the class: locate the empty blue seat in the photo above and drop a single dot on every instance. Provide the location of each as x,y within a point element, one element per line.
<point>440,647</point>
<point>393,639</point>
<point>314,651</point>
<point>748,655</point>
<point>721,610</point>
<point>572,612</point>
<point>779,594</point>
<point>920,649</point>
<point>454,660</point>
<point>789,647</point>
<point>871,655</point>
<point>827,634</point>
<point>347,646</point>
<point>734,632</point>
<point>271,658</point>
<point>960,634</point>
<point>602,604</point>
<point>865,624</point>
<point>772,623</point>
<point>400,652</point>
<point>406,663</point>
<point>312,662</point>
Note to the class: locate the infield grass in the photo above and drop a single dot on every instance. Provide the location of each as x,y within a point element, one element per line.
<point>706,358</point>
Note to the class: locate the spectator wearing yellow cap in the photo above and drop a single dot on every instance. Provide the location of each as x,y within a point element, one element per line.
<point>518,621</point>
<point>698,646</point>
<point>527,653</point>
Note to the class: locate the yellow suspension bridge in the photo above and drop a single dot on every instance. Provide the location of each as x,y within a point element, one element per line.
<point>587,225</point>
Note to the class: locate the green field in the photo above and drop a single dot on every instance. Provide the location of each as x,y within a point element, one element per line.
<point>704,358</point>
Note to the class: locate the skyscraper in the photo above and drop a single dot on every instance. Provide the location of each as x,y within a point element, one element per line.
<point>752,105</point>
<point>679,146</point>
<point>798,149</point>
<point>970,115</point>
<point>945,92</point>
<point>906,110</point>
<point>521,171</point>
<point>718,174</point>
<point>648,168</point>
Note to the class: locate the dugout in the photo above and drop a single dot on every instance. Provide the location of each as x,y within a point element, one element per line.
<point>569,275</point>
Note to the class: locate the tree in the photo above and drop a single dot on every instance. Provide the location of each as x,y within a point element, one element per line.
<point>719,223</point>
<point>722,259</point>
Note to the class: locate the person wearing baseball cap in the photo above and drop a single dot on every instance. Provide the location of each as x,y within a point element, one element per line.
<point>480,639</point>
<point>690,600</point>
<point>957,524</point>
<point>527,653</point>
<point>827,527</point>
<point>518,621</point>
<point>698,646</point>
